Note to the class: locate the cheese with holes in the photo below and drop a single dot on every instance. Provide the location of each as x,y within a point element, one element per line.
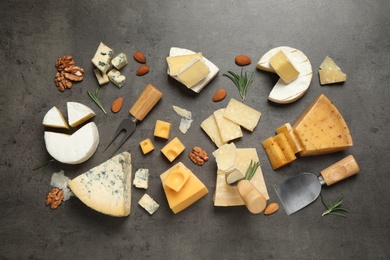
<point>149,204</point>
<point>177,177</point>
<point>102,58</point>
<point>176,63</point>
<point>78,113</point>
<point>226,195</point>
<point>242,114</point>
<point>106,188</point>
<point>283,67</point>
<point>282,92</point>
<point>141,178</point>
<point>193,72</point>
<point>227,128</point>
<point>146,146</point>
<point>330,73</point>
<point>162,129</point>
<point>54,118</point>
<point>173,149</point>
<point>322,129</point>
<point>75,148</point>
<point>209,125</point>
<point>192,191</point>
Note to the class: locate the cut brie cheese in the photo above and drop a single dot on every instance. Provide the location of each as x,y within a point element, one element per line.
<point>174,51</point>
<point>54,118</point>
<point>193,72</point>
<point>283,93</point>
<point>176,63</point>
<point>106,188</point>
<point>78,113</point>
<point>73,149</point>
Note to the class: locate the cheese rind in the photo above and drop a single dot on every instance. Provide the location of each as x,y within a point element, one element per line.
<point>322,129</point>
<point>78,113</point>
<point>242,114</point>
<point>54,118</point>
<point>106,188</point>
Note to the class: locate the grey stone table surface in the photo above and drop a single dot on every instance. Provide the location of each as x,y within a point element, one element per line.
<point>34,34</point>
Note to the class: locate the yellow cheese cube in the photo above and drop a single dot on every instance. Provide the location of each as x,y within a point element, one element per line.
<point>162,129</point>
<point>193,72</point>
<point>177,177</point>
<point>322,129</point>
<point>146,146</point>
<point>176,63</point>
<point>283,67</point>
<point>293,140</point>
<point>192,190</point>
<point>274,152</point>
<point>173,149</point>
<point>288,152</point>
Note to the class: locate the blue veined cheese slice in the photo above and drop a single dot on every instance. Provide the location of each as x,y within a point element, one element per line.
<point>141,178</point>
<point>119,61</point>
<point>106,188</point>
<point>117,78</point>
<point>148,204</point>
<point>101,77</point>
<point>102,57</point>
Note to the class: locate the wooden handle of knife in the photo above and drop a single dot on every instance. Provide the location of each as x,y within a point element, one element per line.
<point>145,102</point>
<point>252,197</point>
<point>340,170</point>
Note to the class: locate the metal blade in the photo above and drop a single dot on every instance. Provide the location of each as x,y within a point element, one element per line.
<point>298,191</point>
<point>128,126</point>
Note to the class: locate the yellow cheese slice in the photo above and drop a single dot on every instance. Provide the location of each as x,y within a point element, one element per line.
<point>331,73</point>
<point>193,72</point>
<point>226,195</point>
<point>242,114</point>
<point>289,132</point>
<point>283,67</point>
<point>322,129</point>
<point>227,128</point>
<point>210,127</point>
<point>176,63</point>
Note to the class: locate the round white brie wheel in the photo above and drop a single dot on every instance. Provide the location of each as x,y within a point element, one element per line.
<point>73,149</point>
<point>283,93</point>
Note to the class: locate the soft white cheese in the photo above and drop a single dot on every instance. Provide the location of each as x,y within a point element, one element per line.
<point>54,118</point>
<point>78,113</point>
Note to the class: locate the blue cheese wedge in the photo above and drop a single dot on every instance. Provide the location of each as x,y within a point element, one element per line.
<point>102,57</point>
<point>117,78</point>
<point>148,204</point>
<point>119,61</point>
<point>141,178</point>
<point>106,188</point>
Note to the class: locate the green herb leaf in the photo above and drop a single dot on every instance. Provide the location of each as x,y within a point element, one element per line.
<point>242,82</point>
<point>334,208</point>
<point>44,165</point>
<point>252,168</point>
<point>94,97</point>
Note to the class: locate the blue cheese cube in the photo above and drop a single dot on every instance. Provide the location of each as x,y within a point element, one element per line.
<point>141,178</point>
<point>102,57</point>
<point>119,61</point>
<point>148,204</point>
<point>116,77</point>
<point>101,77</point>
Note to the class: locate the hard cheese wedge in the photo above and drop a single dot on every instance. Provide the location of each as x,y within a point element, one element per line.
<point>226,195</point>
<point>54,118</point>
<point>78,113</point>
<point>174,51</point>
<point>106,188</point>
<point>322,129</point>
<point>330,73</point>
<point>282,92</point>
<point>192,190</point>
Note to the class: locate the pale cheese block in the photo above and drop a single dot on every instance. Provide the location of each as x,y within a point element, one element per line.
<point>176,63</point>
<point>226,195</point>
<point>101,77</point>
<point>119,61</point>
<point>106,188</point>
<point>225,157</point>
<point>209,125</point>
<point>174,51</point>
<point>141,178</point>
<point>149,204</point>
<point>73,149</point>
<point>283,93</point>
<point>330,73</point>
<point>227,128</point>
<point>193,72</point>
<point>102,57</point>
<point>242,114</point>
<point>53,118</point>
<point>78,113</point>
<point>322,129</point>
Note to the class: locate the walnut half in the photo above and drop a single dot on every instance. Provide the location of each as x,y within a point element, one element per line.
<point>67,72</point>
<point>54,198</point>
<point>198,155</point>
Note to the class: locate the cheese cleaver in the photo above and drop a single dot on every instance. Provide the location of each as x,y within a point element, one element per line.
<point>299,191</point>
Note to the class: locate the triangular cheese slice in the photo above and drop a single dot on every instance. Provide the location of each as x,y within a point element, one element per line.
<point>330,73</point>
<point>106,188</point>
<point>54,118</point>
<point>78,113</point>
<point>322,129</point>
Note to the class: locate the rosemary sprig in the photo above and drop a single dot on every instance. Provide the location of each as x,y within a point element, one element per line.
<point>94,97</point>
<point>333,208</point>
<point>44,165</point>
<point>242,82</point>
<point>252,168</point>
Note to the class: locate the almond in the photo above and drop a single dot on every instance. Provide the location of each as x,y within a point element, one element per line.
<point>271,208</point>
<point>243,60</point>
<point>219,95</point>
<point>140,57</point>
<point>142,70</point>
<point>117,105</point>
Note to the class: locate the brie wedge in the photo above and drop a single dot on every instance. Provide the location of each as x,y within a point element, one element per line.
<point>78,113</point>
<point>54,118</point>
